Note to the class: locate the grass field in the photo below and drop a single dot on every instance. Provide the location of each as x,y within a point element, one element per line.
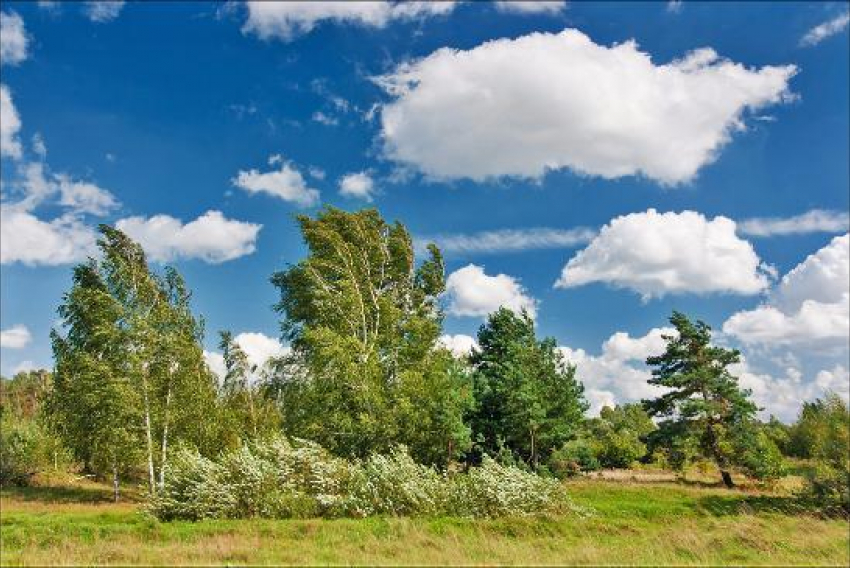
<point>631,522</point>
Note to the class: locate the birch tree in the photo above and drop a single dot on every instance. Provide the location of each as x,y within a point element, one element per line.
<point>363,321</point>
<point>129,368</point>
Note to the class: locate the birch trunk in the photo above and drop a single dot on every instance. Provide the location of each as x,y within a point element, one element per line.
<point>115,492</point>
<point>164,455</point>
<point>149,436</point>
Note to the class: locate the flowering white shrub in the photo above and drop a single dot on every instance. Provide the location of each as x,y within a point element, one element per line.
<point>278,479</point>
<point>494,490</point>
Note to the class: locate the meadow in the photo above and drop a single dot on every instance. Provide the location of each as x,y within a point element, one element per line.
<point>631,518</point>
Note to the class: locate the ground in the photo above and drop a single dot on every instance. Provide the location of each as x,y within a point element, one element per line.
<point>629,519</point>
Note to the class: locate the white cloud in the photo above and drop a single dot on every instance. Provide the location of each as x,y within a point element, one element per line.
<point>509,240</point>
<point>10,124</point>
<point>325,119</point>
<point>13,39</point>
<point>814,221</point>
<point>103,11</point>
<point>84,197</point>
<point>50,6</point>
<point>287,183</point>
<point>16,337</point>
<point>211,237</point>
<point>26,239</point>
<point>38,146</point>
<point>674,6</point>
<point>79,197</point>
<point>472,293</point>
<point>810,307</point>
<point>782,394</point>
<point>531,6</point>
<point>359,185</point>
<point>827,29</point>
<point>287,20</point>
<point>259,348</point>
<point>460,345</point>
<point>520,107</point>
<point>619,374</point>
<point>215,362</point>
<point>656,254</point>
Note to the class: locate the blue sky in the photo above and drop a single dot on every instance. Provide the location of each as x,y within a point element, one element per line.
<point>565,124</point>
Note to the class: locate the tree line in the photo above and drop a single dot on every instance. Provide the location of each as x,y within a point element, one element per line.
<point>366,373</point>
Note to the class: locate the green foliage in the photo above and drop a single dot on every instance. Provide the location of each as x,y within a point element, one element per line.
<point>246,410</point>
<point>618,435</point>
<point>277,479</point>
<point>822,432</point>
<point>703,401</point>
<point>27,446</point>
<point>366,371</point>
<point>578,455</point>
<point>758,455</point>
<point>526,395</point>
<point>779,433</point>
<point>130,375</point>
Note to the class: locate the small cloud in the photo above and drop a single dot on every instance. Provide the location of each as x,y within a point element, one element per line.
<point>325,119</point>
<point>471,292</point>
<point>287,183</point>
<point>38,146</point>
<point>814,221</point>
<point>827,29</point>
<point>16,337</point>
<point>358,185</point>
<point>13,39</point>
<point>103,11</point>
<point>211,237</point>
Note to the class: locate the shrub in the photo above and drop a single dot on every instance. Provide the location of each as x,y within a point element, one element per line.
<point>26,448</point>
<point>494,490</point>
<point>573,457</point>
<point>279,479</point>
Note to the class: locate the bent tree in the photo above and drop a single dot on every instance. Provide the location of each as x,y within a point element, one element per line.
<point>703,401</point>
<point>366,370</point>
<point>130,374</point>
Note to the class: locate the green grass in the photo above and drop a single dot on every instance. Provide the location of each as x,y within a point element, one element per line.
<point>630,523</point>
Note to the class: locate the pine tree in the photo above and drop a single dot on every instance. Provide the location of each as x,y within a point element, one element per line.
<point>703,400</point>
<point>526,396</point>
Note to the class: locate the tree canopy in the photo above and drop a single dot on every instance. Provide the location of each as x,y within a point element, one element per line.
<point>363,321</point>
<point>527,398</point>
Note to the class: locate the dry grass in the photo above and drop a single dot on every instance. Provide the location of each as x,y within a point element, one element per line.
<point>635,522</point>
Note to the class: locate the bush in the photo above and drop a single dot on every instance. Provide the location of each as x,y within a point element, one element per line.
<point>26,448</point>
<point>760,457</point>
<point>574,457</point>
<point>494,490</point>
<point>277,479</point>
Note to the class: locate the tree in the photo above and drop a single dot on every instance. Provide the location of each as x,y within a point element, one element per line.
<point>27,446</point>
<point>526,396</point>
<point>822,433</point>
<point>130,372</point>
<point>247,411</point>
<point>366,371</point>
<point>703,399</point>
<point>618,434</point>
<point>93,406</point>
